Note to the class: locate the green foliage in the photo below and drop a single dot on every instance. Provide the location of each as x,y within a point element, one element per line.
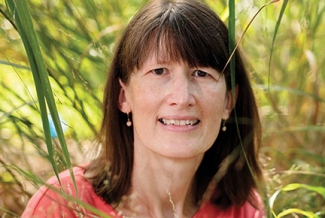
<point>61,67</point>
<point>20,13</point>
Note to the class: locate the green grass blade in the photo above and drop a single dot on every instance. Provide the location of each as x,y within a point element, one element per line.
<point>15,65</point>
<point>304,129</point>
<point>232,37</point>
<point>296,211</point>
<point>294,186</point>
<point>22,17</point>
<point>284,5</point>
<point>300,92</point>
<point>68,197</point>
<point>8,212</point>
<point>17,10</point>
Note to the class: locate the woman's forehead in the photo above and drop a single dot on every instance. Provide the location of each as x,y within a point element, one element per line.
<point>161,57</point>
<point>167,46</point>
<point>164,53</point>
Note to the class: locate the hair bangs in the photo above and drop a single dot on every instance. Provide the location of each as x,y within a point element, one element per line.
<point>177,38</point>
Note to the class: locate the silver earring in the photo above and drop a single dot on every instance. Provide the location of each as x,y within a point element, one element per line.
<point>224,128</point>
<point>129,123</point>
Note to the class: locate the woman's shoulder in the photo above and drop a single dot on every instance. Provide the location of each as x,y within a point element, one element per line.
<point>67,197</point>
<point>247,210</point>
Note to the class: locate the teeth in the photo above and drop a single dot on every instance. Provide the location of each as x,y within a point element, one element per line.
<point>179,122</point>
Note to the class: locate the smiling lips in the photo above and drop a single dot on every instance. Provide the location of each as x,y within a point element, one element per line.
<point>178,122</point>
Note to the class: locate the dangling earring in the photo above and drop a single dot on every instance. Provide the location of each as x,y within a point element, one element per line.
<point>128,123</point>
<point>224,128</point>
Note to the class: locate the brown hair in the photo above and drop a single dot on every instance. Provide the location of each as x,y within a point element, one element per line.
<point>190,32</point>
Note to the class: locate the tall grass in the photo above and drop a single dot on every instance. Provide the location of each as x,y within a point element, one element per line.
<point>70,51</point>
<point>75,48</point>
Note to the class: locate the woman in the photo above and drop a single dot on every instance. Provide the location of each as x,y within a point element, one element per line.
<point>173,143</point>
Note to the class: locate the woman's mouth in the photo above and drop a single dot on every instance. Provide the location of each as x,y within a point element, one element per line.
<point>176,122</point>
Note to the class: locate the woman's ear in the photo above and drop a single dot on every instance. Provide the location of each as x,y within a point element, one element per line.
<point>123,103</point>
<point>231,98</point>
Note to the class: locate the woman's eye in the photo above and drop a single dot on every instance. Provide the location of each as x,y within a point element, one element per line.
<point>200,73</point>
<point>159,71</point>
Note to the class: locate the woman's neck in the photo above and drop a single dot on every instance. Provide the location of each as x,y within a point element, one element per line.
<point>162,187</point>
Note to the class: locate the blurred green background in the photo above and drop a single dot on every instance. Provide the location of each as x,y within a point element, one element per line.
<point>77,40</point>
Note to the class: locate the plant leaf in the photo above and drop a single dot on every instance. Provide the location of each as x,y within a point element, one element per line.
<point>23,21</point>
<point>284,5</point>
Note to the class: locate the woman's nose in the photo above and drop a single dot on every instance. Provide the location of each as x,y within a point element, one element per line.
<point>181,92</point>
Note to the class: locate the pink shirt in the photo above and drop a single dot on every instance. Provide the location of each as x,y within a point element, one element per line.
<point>48,203</point>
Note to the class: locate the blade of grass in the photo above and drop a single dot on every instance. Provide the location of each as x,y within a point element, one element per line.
<point>304,128</point>
<point>14,65</point>
<point>22,17</point>
<point>244,32</point>
<point>232,36</point>
<point>231,61</point>
<point>297,211</point>
<point>291,90</point>
<point>8,212</point>
<point>284,5</point>
<point>28,40</point>
<point>67,196</point>
<point>294,186</point>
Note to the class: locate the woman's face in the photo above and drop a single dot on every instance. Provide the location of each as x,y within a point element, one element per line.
<point>176,110</point>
